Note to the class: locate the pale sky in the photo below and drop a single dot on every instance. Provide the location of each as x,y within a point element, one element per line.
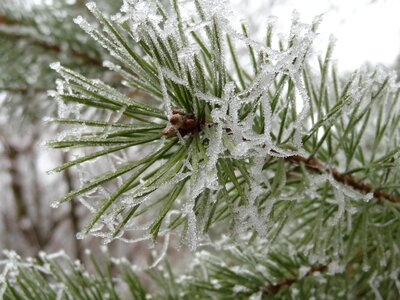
<point>365,30</point>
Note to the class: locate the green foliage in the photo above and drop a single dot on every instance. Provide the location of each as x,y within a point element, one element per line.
<point>57,277</point>
<point>233,272</point>
<point>189,78</point>
<point>299,167</point>
<point>332,125</point>
<point>32,36</point>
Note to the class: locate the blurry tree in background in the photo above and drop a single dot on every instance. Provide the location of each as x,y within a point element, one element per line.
<point>32,36</point>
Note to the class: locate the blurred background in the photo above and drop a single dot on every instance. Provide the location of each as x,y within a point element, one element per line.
<point>34,33</point>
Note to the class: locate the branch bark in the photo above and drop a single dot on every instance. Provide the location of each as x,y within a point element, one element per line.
<point>311,164</point>
<point>287,282</point>
<point>73,213</point>
<point>315,165</point>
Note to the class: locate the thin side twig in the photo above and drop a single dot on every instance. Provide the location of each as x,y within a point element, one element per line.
<point>287,282</point>
<point>311,164</point>
<point>364,187</point>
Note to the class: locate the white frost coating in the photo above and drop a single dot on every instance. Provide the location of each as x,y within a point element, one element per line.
<point>249,215</point>
<point>55,204</point>
<point>91,5</point>
<point>280,63</point>
<point>58,254</point>
<point>134,241</point>
<point>172,76</point>
<point>339,198</point>
<point>108,41</point>
<point>341,192</point>
<point>335,268</point>
<point>143,190</point>
<point>60,293</point>
<point>240,288</point>
<point>138,14</point>
<point>80,236</point>
<point>166,241</point>
<point>219,9</point>
<point>374,282</point>
<point>110,65</point>
<point>242,141</point>
<point>256,296</point>
<point>186,54</point>
<point>166,98</point>
<point>394,275</point>
<point>196,27</point>
<point>303,270</point>
<point>206,174</point>
<point>55,66</point>
<point>94,86</point>
<point>209,98</point>
<point>228,135</point>
<point>263,270</point>
<point>215,147</point>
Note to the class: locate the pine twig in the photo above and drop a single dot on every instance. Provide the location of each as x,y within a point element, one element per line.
<point>310,163</point>
<point>287,282</point>
<point>364,187</point>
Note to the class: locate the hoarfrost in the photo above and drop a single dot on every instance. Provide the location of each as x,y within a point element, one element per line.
<point>166,241</point>
<point>228,134</point>
<point>256,296</point>
<point>170,75</point>
<point>394,275</point>
<point>215,283</point>
<point>55,66</point>
<point>335,268</point>
<point>138,14</point>
<point>374,283</point>
<point>303,270</point>
<point>81,22</point>
<point>340,193</point>
<point>186,54</point>
<point>240,289</point>
<point>166,98</point>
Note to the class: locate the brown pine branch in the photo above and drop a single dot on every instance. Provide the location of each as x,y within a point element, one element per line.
<point>73,212</point>
<point>315,165</point>
<point>185,123</point>
<point>4,20</point>
<point>287,282</point>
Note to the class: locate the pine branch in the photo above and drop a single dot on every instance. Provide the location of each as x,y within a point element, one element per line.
<point>184,124</point>
<point>311,163</point>
<point>196,93</point>
<point>50,46</point>
<point>194,175</point>
<point>316,166</point>
<point>287,282</point>
<point>57,276</point>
